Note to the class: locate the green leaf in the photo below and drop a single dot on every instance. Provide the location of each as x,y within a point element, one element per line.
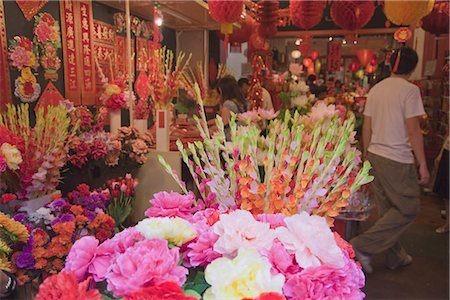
<point>192,293</point>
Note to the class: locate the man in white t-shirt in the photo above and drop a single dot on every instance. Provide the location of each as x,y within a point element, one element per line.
<point>392,138</point>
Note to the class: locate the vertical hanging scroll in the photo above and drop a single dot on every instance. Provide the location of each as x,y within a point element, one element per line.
<point>334,56</point>
<point>121,57</point>
<point>142,54</point>
<point>87,55</point>
<point>70,54</point>
<point>5,87</point>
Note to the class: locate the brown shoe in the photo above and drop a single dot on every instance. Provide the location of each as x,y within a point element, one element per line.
<point>406,261</point>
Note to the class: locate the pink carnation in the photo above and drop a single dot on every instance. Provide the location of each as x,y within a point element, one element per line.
<point>344,245</point>
<point>147,263</point>
<point>327,282</point>
<point>80,256</point>
<point>171,205</point>
<point>116,102</point>
<point>108,251</point>
<point>43,32</point>
<point>3,164</point>
<point>282,261</point>
<point>200,252</point>
<point>98,149</point>
<point>19,57</point>
<point>275,220</point>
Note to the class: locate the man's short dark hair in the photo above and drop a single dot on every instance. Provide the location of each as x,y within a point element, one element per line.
<point>408,60</point>
<point>311,78</point>
<point>243,81</point>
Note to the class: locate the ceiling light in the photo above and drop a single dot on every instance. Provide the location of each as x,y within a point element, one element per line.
<point>330,38</point>
<point>355,42</point>
<point>344,42</point>
<point>158,21</point>
<point>297,42</point>
<point>296,54</point>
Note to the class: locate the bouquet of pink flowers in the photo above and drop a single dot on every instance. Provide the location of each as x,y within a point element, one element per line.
<point>23,53</point>
<point>128,142</point>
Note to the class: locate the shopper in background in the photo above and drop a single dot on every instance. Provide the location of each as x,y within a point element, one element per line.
<point>391,139</point>
<point>313,87</point>
<point>442,182</point>
<point>231,100</point>
<point>244,85</point>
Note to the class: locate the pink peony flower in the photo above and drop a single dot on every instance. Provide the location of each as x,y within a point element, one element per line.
<point>43,32</point>
<point>19,57</point>
<point>282,261</point>
<point>80,256</point>
<point>116,102</point>
<point>171,205</point>
<point>344,245</point>
<point>98,149</point>
<point>311,240</point>
<point>147,263</point>
<point>200,252</point>
<point>327,282</point>
<point>275,220</point>
<point>239,229</point>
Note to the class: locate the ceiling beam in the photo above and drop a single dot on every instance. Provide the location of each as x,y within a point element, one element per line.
<point>334,32</point>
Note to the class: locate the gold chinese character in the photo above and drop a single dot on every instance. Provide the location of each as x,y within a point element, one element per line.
<point>86,49</point>
<point>69,18</point>
<point>87,61</point>
<point>70,33</point>
<point>85,37</point>
<point>84,24</point>
<point>105,33</point>
<point>83,11</point>
<point>71,44</point>
<point>71,58</point>
<point>111,35</point>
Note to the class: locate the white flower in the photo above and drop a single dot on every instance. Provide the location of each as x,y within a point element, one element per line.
<point>12,155</point>
<point>239,229</point>
<point>175,230</point>
<point>321,111</point>
<point>300,101</point>
<point>311,240</point>
<point>246,276</point>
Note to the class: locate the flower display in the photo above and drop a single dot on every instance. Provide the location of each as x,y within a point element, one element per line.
<point>113,97</point>
<point>47,36</point>
<point>26,86</point>
<point>128,142</point>
<point>11,233</point>
<point>171,204</point>
<point>23,53</point>
<point>175,230</point>
<point>12,156</point>
<point>246,276</point>
<point>166,290</point>
<point>80,256</point>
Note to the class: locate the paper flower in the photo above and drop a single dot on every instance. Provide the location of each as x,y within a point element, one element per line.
<point>175,230</point>
<point>311,240</point>
<point>239,229</point>
<point>246,276</point>
<point>147,263</point>
<point>12,155</point>
<point>171,205</point>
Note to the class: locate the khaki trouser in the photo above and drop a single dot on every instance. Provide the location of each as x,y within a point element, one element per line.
<point>397,194</point>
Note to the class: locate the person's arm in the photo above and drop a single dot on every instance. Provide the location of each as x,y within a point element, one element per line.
<point>7,283</point>
<point>225,113</point>
<point>416,140</point>
<point>367,134</point>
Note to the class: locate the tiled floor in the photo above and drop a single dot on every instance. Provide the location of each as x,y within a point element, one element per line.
<point>428,276</point>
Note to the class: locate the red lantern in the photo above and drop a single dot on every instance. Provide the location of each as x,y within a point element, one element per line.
<point>268,18</point>
<point>437,22</point>
<point>364,56</point>
<point>256,41</point>
<point>225,12</point>
<point>311,70</point>
<point>307,62</point>
<point>314,55</point>
<point>242,35</point>
<point>306,13</point>
<point>353,67</point>
<point>352,15</point>
<point>374,60</point>
<point>370,69</point>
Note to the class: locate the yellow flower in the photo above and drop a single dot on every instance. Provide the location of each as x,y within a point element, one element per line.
<point>14,227</point>
<point>32,61</point>
<point>246,276</point>
<point>175,230</point>
<point>12,155</point>
<point>112,89</point>
<point>4,248</point>
<point>5,264</point>
<point>27,76</point>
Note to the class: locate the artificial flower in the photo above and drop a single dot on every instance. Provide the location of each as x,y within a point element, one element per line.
<point>248,275</point>
<point>43,32</point>
<point>147,263</point>
<point>311,240</point>
<point>12,155</point>
<point>163,291</point>
<point>3,164</point>
<point>65,286</point>
<point>239,229</point>
<point>6,198</point>
<point>80,256</point>
<point>171,204</point>
<point>15,228</point>
<point>175,230</point>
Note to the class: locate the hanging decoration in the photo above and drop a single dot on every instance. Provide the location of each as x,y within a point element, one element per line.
<point>225,12</point>
<point>242,35</point>
<point>26,87</point>
<point>352,15</point>
<point>334,56</point>
<point>47,37</point>
<point>119,21</point>
<point>306,13</point>
<point>50,96</point>
<point>370,69</point>
<point>317,66</point>
<point>353,66</point>
<point>314,55</point>
<point>23,53</point>
<point>364,56</point>
<point>5,83</point>
<point>256,41</point>
<point>30,8</point>
<point>267,17</point>
<point>437,22</point>
<point>255,90</point>
<point>141,109</point>
<point>307,62</point>
<point>407,13</point>
<point>402,35</point>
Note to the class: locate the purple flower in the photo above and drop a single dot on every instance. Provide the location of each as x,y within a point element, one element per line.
<point>20,217</point>
<point>25,260</point>
<point>90,215</point>
<point>54,221</point>
<point>58,204</point>
<point>67,218</point>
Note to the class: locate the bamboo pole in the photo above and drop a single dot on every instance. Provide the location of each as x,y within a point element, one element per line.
<point>130,76</point>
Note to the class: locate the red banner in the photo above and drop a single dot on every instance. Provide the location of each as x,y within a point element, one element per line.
<point>70,54</point>
<point>121,57</point>
<point>104,33</point>
<point>88,68</point>
<point>5,87</point>
<point>334,56</point>
<point>142,54</point>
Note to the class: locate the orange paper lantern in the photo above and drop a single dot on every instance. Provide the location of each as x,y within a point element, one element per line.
<point>311,70</point>
<point>256,41</point>
<point>407,13</point>
<point>306,13</point>
<point>352,15</point>
<point>437,22</point>
<point>370,69</point>
<point>225,12</point>
<point>364,56</point>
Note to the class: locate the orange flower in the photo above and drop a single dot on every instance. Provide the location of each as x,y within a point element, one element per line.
<point>21,277</point>
<point>66,228</point>
<point>76,210</point>
<point>40,263</point>
<point>57,264</point>
<point>38,252</point>
<point>80,220</point>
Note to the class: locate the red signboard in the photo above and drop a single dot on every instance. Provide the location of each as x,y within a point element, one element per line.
<point>334,56</point>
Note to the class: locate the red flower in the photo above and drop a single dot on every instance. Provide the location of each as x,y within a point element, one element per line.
<point>163,291</point>
<point>47,18</point>
<point>84,189</point>
<point>28,88</point>
<point>64,286</point>
<point>25,43</point>
<point>268,296</point>
<point>6,198</point>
